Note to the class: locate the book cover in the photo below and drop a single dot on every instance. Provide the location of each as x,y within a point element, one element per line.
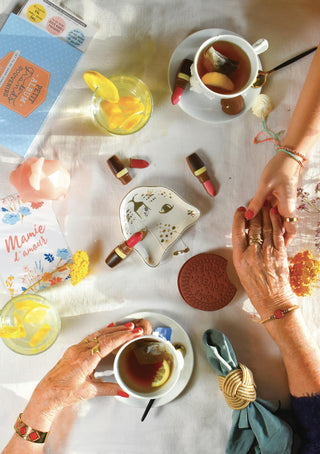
<point>34,67</point>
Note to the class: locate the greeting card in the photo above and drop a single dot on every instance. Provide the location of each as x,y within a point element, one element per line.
<point>31,246</point>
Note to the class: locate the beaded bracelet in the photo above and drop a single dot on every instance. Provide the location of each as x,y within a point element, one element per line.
<point>279,313</point>
<point>28,433</point>
<point>293,154</point>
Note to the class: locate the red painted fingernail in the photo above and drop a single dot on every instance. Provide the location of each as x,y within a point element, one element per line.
<point>274,210</point>
<point>111,324</point>
<point>241,209</point>
<point>129,325</point>
<point>249,214</point>
<point>137,330</point>
<point>122,394</point>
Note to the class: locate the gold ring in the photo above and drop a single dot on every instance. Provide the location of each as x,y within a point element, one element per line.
<point>96,349</point>
<point>255,239</point>
<point>291,219</point>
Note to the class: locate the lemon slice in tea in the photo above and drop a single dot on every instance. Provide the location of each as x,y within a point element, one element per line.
<point>39,335</point>
<point>105,88</point>
<point>35,315</point>
<point>162,375</point>
<point>12,332</point>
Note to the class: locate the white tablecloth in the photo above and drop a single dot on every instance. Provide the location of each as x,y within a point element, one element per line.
<point>138,37</point>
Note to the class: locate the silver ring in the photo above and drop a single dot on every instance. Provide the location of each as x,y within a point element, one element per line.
<point>255,239</point>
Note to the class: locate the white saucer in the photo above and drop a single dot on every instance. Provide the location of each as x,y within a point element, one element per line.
<point>178,336</point>
<point>194,104</point>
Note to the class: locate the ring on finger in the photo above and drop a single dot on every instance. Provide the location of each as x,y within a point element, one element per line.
<point>93,339</point>
<point>255,239</point>
<point>294,219</point>
<point>96,349</point>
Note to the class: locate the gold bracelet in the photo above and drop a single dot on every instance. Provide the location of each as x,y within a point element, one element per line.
<point>279,313</point>
<point>28,433</point>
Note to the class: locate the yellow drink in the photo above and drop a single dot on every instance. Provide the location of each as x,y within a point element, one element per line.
<point>31,323</point>
<point>130,113</point>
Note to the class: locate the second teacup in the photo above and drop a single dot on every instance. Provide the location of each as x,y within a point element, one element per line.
<point>226,65</point>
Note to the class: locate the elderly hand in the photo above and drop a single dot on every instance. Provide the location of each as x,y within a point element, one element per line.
<point>262,268</point>
<point>278,185</point>
<point>72,379</point>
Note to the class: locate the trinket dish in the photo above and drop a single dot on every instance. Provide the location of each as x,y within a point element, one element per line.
<point>162,212</point>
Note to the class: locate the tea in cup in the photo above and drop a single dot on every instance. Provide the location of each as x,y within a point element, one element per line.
<point>148,367</point>
<point>226,65</point>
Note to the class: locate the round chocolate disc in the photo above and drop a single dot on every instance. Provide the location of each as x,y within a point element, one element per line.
<point>233,106</point>
<point>204,284</point>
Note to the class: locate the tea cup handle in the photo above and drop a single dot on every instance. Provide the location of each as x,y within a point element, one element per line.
<point>260,46</point>
<point>180,359</point>
<point>104,373</point>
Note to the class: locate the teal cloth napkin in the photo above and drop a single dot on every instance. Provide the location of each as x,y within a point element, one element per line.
<point>255,429</point>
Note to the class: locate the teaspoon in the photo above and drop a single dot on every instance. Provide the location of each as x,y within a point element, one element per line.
<point>263,75</point>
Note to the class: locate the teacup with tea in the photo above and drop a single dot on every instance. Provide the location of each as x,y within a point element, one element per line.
<point>226,65</point>
<point>148,367</point>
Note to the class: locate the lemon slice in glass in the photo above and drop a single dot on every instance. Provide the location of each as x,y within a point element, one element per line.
<point>162,375</point>
<point>12,332</point>
<point>104,88</point>
<point>35,315</point>
<point>39,335</point>
<point>27,305</point>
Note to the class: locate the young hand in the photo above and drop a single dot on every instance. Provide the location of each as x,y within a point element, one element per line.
<point>278,185</point>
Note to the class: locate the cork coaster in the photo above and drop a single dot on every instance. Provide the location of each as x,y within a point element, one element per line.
<point>204,284</point>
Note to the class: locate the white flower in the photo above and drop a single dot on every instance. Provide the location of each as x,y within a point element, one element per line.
<point>262,106</point>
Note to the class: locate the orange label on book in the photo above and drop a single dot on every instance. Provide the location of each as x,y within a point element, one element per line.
<point>23,85</point>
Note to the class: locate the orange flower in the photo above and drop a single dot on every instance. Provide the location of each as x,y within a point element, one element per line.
<point>80,267</point>
<point>304,272</point>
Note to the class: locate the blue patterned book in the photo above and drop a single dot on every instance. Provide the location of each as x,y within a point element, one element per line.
<point>34,67</point>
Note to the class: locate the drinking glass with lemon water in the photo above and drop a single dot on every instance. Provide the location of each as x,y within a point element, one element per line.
<point>29,324</point>
<point>121,104</point>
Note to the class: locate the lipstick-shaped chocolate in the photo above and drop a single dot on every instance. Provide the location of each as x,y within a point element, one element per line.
<point>199,170</point>
<point>124,249</point>
<point>182,79</point>
<point>119,169</point>
<point>138,163</point>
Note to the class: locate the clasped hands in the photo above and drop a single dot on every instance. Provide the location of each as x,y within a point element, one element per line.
<point>262,264</point>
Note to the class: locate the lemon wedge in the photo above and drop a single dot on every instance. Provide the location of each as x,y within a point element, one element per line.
<point>162,375</point>
<point>27,305</point>
<point>39,335</point>
<point>17,320</point>
<point>220,80</point>
<point>35,315</point>
<point>12,332</point>
<point>106,89</point>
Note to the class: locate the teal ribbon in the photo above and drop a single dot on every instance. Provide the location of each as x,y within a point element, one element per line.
<point>255,429</point>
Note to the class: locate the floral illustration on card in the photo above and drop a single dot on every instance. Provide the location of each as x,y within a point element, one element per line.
<point>38,276</point>
<point>33,252</point>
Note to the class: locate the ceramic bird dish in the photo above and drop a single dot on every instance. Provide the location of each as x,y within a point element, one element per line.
<point>160,211</point>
